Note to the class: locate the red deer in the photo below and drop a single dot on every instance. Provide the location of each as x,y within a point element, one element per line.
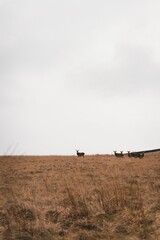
<point>136,154</point>
<point>80,154</point>
<point>129,154</point>
<point>118,154</point>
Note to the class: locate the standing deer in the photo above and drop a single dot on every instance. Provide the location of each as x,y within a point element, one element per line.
<point>129,154</point>
<point>136,154</point>
<point>118,154</point>
<point>80,154</point>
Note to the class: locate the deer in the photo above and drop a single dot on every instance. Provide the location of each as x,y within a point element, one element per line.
<point>142,154</point>
<point>80,154</point>
<point>136,154</point>
<point>118,154</point>
<point>129,154</point>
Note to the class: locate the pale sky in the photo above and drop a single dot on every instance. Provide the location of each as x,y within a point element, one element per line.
<point>78,74</point>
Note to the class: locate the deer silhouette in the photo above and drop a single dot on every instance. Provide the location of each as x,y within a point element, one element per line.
<point>118,154</point>
<point>80,154</point>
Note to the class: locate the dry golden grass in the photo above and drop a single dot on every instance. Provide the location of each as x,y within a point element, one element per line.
<point>71,198</point>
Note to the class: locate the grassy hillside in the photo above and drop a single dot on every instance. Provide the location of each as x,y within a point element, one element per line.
<point>71,198</point>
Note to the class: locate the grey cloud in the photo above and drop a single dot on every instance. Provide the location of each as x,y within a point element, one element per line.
<point>131,70</point>
<point>57,58</point>
<point>40,35</point>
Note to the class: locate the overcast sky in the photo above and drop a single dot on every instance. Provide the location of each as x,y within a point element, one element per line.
<point>78,74</point>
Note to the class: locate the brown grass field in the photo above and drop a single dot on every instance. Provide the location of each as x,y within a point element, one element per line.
<point>71,198</point>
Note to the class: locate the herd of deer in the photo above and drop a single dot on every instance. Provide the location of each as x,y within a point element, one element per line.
<point>121,154</point>
<point>130,154</point>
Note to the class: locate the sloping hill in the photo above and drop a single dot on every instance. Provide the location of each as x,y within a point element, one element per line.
<point>66,197</point>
